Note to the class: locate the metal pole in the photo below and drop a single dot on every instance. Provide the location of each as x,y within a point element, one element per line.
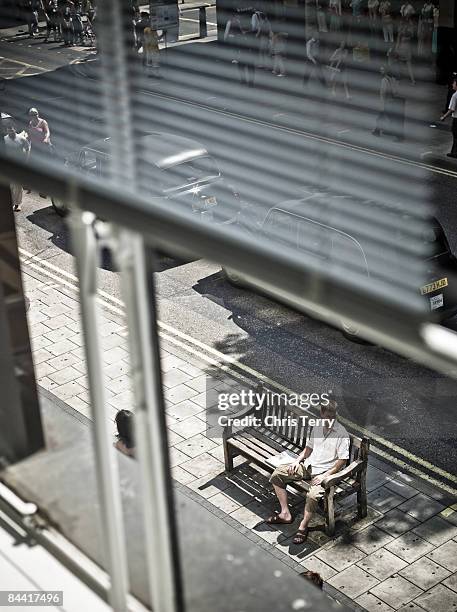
<point>116,82</point>
<point>86,252</point>
<point>136,263</point>
<point>202,22</point>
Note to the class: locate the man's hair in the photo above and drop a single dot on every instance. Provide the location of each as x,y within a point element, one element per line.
<point>313,577</point>
<point>330,409</point>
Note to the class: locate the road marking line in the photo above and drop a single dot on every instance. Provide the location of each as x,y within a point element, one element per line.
<point>21,63</point>
<point>226,362</point>
<point>196,21</point>
<point>310,135</point>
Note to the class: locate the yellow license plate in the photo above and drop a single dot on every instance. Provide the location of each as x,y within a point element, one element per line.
<point>431,287</point>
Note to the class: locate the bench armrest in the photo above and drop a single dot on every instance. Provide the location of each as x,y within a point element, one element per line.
<point>346,472</point>
<point>227,430</point>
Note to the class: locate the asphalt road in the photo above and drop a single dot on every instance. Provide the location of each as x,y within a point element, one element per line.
<point>408,405</point>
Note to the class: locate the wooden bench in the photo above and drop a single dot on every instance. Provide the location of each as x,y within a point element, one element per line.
<point>257,444</point>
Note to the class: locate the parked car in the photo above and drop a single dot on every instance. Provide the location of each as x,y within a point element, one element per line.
<point>176,168</point>
<point>302,225</point>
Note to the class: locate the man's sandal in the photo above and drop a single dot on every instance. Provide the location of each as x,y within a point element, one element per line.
<point>277,520</point>
<point>300,536</point>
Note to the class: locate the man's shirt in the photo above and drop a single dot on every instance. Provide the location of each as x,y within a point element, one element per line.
<point>312,49</point>
<point>327,447</point>
<point>453,105</point>
<point>20,143</point>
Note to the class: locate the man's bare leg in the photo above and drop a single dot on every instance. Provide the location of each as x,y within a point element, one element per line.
<point>307,516</point>
<point>281,494</point>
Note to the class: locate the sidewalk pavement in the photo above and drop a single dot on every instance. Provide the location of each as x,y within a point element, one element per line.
<point>402,556</point>
<point>204,75</point>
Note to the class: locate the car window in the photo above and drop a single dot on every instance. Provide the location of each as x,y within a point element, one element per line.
<point>435,241</point>
<point>189,172</point>
<point>314,239</point>
<point>282,228</point>
<point>347,253</point>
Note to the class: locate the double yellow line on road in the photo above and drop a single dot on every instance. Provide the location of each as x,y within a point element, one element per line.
<point>402,458</point>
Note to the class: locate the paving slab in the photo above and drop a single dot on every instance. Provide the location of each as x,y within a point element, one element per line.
<point>371,603</point>
<point>436,530</point>
<point>353,581</point>
<point>421,507</point>
<point>409,547</point>
<point>179,394</point>
<point>64,376</point>
<point>224,502</point>
<point>396,591</point>
<point>383,499</point>
<point>382,564</point>
<point>297,552</point>
<point>196,445</point>
<point>189,427</point>
<point>370,539</point>
<point>182,475</point>
<point>209,484</point>
<point>396,522</point>
<point>183,410</point>
<point>424,573</point>
<point>174,377</point>
<point>340,556</point>
<point>445,555</point>
<point>313,564</point>
<point>203,465</point>
<point>177,457</point>
<point>411,607</point>
<point>246,517</point>
<point>438,599</point>
<point>451,582</point>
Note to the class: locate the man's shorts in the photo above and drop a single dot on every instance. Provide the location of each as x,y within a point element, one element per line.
<point>281,478</point>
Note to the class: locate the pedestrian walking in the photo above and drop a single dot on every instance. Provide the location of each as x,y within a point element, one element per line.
<point>452,110</point>
<point>39,134</point>
<point>404,45</point>
<point>31,8</point>
<point>385,10</point>
<point>19,144</point>
<point>232,37</point>
<point>66,10</point>
<point>278,49</point>
<point>52,20</point>
<point>313,67</point>
<point>335,11</point>
<point>140,25</point>
<point>151,54</point>
<point>262,28</point>
<point>77,22</point>
<point>373,7</point>
<point>246,61</point>
<point>386,94</point>
<point>338,67</point>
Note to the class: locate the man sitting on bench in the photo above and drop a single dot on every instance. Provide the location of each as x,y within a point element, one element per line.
<point>328,449</point>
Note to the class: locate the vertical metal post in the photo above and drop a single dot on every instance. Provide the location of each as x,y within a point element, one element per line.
<point>202,22</point>
<point>21,431</point>
<point>136,262</point>
<point>86,252</point>
<point>116,88</point>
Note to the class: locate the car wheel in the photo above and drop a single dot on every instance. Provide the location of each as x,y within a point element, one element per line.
<point>59,206</point>
<point>232,277</point>
<point>352,333</point>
